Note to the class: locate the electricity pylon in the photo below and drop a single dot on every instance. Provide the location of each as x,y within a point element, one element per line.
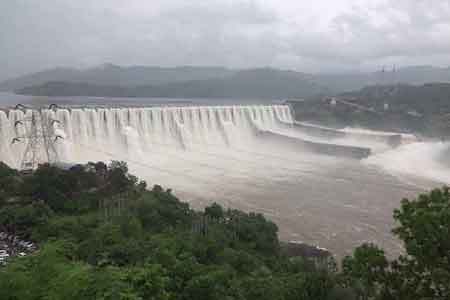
<point>39,136</point>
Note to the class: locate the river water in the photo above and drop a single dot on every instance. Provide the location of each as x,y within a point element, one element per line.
<point>215,151</point>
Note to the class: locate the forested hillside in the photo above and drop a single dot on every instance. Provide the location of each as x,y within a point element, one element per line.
<point>109,80</point>
<point>100,234</point>
<point>423,109</point>
<point>256,83</point>
<point>110,74</point>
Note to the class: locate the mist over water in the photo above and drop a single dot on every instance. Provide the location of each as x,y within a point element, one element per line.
<point>419,159</point>
<point>222,154</point>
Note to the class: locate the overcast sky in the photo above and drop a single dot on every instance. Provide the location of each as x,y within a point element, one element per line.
<point>304,35</point>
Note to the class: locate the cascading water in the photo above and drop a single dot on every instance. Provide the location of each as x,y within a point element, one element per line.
<point>155,135</point>
<point>246,157</point>
<point>90,134</point>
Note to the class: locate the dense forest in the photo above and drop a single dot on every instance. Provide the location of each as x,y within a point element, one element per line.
<point>102,234</point>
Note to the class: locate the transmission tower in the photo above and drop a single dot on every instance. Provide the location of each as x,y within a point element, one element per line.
<point>37,131</point>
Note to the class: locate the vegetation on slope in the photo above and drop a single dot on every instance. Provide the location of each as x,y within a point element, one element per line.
<point>103,235</point>
<point>421,109</point>
<point>132,76</point>
<point>110,74</point>
<point>263,83</point>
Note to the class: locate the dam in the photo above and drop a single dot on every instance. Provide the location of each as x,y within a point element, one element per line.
<point>333,189</point>
<point>135,131</point>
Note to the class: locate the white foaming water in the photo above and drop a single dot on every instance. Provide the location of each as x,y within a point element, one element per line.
<point>406,137</point>
<point>419,159</point>
<point>372,132</point>
<point>181,138</point>
<point>171,139</point>
<point>220,153</point>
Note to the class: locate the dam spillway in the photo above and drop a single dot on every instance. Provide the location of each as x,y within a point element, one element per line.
<point>123,133</point>
<point>249,157</point>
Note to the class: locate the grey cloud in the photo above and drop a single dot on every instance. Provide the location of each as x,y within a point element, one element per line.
<point>235,33</point>
<point>395,29</point>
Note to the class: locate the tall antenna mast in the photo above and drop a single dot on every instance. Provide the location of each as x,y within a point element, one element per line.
<point>379,84</point>
<point>40,138</point>
<point>394,73</point>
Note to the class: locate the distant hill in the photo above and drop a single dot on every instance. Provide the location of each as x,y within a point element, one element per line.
<point>425,99</point>
<point>212,81</point>
<point>423,109</point>
<point>414,75</point>
<point>255,83</point>
<point>109,74</point>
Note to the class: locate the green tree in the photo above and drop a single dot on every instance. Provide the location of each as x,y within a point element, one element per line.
<point>262,286</point>
<point>215,211</point>
<point>21,219</point>
<point>150,281</point>
<point>424,271</point>
<point>214,284</point>
<point>365,271</point>
<point>425,230</point>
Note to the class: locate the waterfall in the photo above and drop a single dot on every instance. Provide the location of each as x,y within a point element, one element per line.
<point>120,133</point>
<point>198,143</point>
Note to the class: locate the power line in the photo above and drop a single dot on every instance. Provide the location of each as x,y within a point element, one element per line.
<point>143,164</point>
<point>202,164</point>
<point>253,153</point>
<point>179,174</point>
<point>209,182</point>
<point>39,136</point>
